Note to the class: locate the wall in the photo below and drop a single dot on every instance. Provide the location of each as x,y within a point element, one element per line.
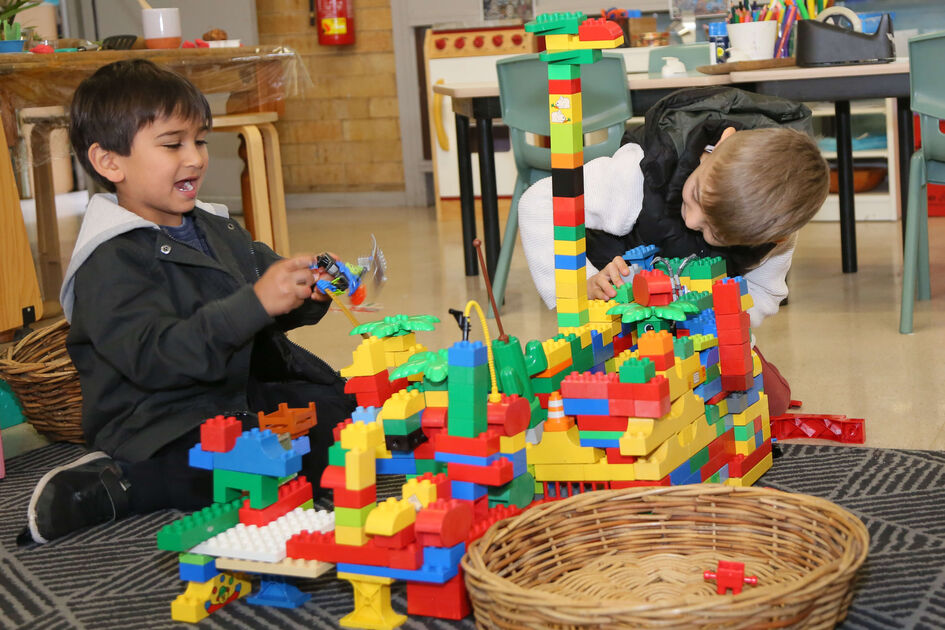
<point>341,133</point>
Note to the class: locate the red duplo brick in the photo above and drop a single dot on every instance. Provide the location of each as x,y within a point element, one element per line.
<point>587,385</point>
<point>601,423</point>
<point>656,389</point>
<point>665,481</point>
<point>735,359</point>
<point>483,446</point>
<point>593,29</point>
<point>481,507</point>
<point>564,86</point>
<point>491,516</point>
<point>442,601</point>
<point>511,416</point>
<point>622,342</point>
<point>219,434</point>
<point>372,383</point>
<point>333,477</point>
<point>497,473</point>
<point>338,428</point>
<point>733,321</point>
<point>737,382</point>
<point>440,481</point>
<point>424,451</point>
<point>444,523</point>
<point>542,400</point>
<point>652,288</point>
<point>317,546</point>
<point>726,297</point>
<point>568,211</point>
<point>614,457</point>
<point>292,494</point>
<point>741,465</point>
<point>399,540</point>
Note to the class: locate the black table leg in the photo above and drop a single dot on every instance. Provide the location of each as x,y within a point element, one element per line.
<point>845,187</point>
<point>906,141</point>
<point>466,195</point>
<point>489,194</point>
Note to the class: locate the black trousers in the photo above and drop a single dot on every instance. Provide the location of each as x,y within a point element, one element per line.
<point>166,480</point>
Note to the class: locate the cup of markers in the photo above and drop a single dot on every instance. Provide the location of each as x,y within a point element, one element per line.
<point>784,13</point>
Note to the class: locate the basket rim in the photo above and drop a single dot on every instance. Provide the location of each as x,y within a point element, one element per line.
<point>812,582</point>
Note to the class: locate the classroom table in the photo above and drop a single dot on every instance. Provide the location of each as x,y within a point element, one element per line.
<point>837,84</point>
<point>256,78</point>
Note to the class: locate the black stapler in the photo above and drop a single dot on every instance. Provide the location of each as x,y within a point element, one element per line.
<point>822,44</point>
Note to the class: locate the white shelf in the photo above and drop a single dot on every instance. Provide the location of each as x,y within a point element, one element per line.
<point>869,206</point>
<point>865,153</point>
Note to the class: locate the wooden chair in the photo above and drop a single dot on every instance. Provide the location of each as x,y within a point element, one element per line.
<point>264,206</point>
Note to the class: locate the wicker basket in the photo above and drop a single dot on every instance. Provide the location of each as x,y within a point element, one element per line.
<point>635,558</point>
<point>39,371</point>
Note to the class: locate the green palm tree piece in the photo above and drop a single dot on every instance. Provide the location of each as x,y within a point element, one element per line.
<point>433,365</point>
<point>396,325</point>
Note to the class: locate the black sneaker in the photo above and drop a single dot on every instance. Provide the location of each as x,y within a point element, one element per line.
<point>89,491</point>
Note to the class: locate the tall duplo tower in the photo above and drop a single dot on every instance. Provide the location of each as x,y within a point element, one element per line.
<point>570,40</point>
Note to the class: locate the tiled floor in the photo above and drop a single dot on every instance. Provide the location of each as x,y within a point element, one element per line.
<point>837,341</point>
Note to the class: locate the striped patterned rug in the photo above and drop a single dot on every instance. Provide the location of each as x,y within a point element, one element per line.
<point>113,576</point>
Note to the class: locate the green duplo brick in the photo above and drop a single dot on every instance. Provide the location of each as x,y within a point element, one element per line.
<point>602,435</point>
<point>402,427</point>
<point>195,558</point>
<point>564,72</point>
<point>558,23</point>
<point>567,137</point>
<point>706,268</point>
<point>568,233</point>
<point>744,433</point>
<point>191,530</point>
<point>682,347</point>
<point>428,466</point>
<point>699,460</point>
<point>336,455</point>
<point>353,517</point>
<point>568,320</point>
<point>571,57</point>
<point>637,371</point>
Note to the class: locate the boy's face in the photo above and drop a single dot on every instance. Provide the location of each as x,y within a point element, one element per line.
<point>692,212</point>
<point>159,180</point>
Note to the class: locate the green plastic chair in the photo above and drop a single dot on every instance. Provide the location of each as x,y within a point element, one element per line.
<point>691,55</point>
<point>926,53</point>
<point>523,93</point>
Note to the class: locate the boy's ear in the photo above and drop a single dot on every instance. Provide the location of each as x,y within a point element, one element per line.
<point>728,132</point>
<point>105,164</point>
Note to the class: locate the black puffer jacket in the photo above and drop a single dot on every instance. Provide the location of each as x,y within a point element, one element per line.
<point>673,137</point>
<point>164,336</point>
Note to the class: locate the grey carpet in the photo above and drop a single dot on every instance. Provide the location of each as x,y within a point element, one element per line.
<point>113,576</point>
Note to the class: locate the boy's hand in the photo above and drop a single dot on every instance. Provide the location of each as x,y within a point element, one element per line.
<point>286,284</point>
<point>601,285</point>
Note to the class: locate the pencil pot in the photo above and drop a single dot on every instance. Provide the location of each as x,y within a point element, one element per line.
<point>753,40</point>
<point>638,558</point>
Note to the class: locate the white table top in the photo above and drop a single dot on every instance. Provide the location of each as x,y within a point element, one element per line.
<point>642,81</point>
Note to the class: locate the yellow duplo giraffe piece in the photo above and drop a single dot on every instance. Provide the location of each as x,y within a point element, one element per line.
<point>367,359</point>
<point>202,598</point>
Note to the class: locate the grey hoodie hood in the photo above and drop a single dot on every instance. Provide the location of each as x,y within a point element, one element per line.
<point>104,220</point>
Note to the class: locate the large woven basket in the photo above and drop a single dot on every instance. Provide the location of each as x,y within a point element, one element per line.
<point>635,558</point>
<point>41,374</point>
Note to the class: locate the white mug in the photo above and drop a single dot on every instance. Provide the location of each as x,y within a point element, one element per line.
<point>161,27</point>
<point>755,40</point>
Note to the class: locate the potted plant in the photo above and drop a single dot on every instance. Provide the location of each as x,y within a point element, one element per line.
<point>10,31</point>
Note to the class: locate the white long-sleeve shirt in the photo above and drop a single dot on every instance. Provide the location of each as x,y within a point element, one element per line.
<point>613,199</point>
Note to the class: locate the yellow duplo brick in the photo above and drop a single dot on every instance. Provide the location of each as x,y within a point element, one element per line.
<point>753,475</point>
<point>606,333</point>
<point>435,398</point>
<point>643,435</point>
<point>674,451</point>
<point>700,285</point>
<point>355,536</point>
<point>565,108</point>
<point>570,248</point>
<point>422,489</point>
<point>703,342</point>
<point>364,436</point>
<point>755,364</point>
<point>747,302</point>
<point>605,471</point>
<point>400,342</point>
<point>390,516</point>
<point>368,359</point>
<point>686,282</point>
<point>571,305</point>
<point>597,311</point>
<point>678,385</point>
<point>567,137</point>
<point>621,358</point>
<point>566,41</point>
<point>691,370</point>
<point>562,447</point>
<point>755,410</point>
<point>512,443</point>
<point>403,404</point>
<point>557,351</point>
<point>570,278</point>
<point>723,407</point>
<point>745,447</point>
<point>610,365</point>
<point>360,469</point>
<point>560,472</point>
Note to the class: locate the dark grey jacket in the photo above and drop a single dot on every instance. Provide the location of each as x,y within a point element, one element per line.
<point>163,335</point>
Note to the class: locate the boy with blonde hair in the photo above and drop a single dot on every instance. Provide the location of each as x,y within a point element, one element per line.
<point>713,172</point>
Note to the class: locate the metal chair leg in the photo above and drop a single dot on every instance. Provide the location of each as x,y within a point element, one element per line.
<point>910,253</point>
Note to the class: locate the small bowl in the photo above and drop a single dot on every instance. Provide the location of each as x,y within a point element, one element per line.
<point>224,43</point>
<point>11,45</point>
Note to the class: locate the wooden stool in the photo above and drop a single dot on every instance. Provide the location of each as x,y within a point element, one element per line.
<point>264,210</point>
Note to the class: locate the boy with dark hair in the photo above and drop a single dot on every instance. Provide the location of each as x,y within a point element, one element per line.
<point>176,314</point>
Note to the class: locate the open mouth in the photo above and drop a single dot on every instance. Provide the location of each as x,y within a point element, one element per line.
<point>185,185</point>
